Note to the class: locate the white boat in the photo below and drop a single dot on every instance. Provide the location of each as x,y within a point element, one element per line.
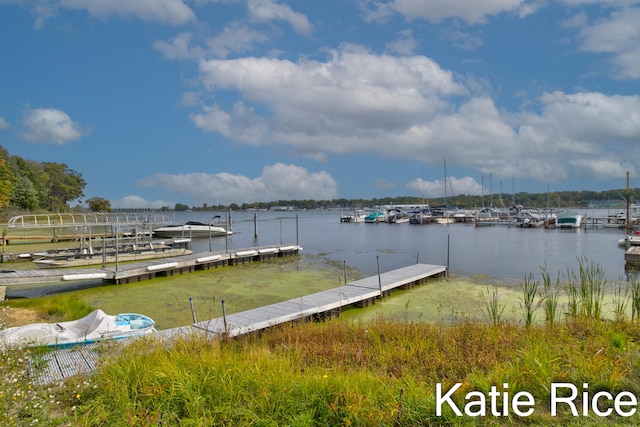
<point>444,219</point>
<point>423,216</point>
<point>396,216</point>
<point>191,229</point>
<point>630,240</point>
<point>375,217</point>
<point>531,219</point>
<point>96,326</point>
<point>356,216</point>
<point>568,219</point>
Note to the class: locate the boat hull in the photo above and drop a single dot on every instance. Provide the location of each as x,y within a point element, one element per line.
<point>191,229</point>
<point>568,220</point>
<point>96,326</point>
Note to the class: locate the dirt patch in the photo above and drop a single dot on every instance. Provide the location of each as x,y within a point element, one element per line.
<point>10,317</point>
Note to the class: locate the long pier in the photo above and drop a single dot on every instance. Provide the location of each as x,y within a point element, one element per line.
<point>325,305</point>
<point>145,270</point>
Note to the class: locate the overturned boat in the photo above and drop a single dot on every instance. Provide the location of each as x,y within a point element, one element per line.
<point>96,326</point>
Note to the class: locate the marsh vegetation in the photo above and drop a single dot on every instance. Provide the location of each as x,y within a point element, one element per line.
<point>379,369</point>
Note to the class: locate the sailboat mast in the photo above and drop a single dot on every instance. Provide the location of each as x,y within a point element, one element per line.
<point>628,220</point>
<point>445,183</point>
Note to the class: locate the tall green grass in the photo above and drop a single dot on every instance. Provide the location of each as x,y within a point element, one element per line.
<point>55,307</point>
<point>379,373</point>
<point>376,373</point>
<point>529,299</point>
<point>493,308</point>
<point>550,297</point>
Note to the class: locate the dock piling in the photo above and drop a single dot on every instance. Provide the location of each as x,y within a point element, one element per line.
<point>224,319</point>
<point>379,277</point>
<point>193,311</point>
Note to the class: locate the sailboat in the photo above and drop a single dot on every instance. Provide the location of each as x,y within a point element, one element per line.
<point>442,214</point>
<point>424,214</point>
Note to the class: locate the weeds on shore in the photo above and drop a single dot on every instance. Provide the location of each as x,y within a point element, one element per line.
<point>381,373</point>
<point>493,308</point>
<point>55,307</point>
<point>584,296</point>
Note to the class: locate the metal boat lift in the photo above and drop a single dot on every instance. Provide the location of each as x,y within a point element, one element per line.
<point>92,219</point>
<point>85,226</point>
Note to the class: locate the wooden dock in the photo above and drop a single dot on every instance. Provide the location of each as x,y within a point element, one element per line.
<point>325,305</point>
<point>145,270</point>
<point>322,305</point>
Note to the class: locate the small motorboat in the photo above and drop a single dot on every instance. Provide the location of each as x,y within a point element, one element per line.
<point>191,229</point>
<point>96,326</point>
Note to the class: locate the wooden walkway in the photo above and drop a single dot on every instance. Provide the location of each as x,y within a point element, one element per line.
<point>145,270</point>
<point>322,305</point>
<point>63,363</point>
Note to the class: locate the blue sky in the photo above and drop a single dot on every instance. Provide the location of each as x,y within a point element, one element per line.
<point>157,102</point>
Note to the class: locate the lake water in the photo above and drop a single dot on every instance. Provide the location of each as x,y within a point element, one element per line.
<point>494,254</point>
<point>498,251</point>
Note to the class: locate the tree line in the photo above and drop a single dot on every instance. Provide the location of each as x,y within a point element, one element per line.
<point>559,199</point>
<point>30,185</point>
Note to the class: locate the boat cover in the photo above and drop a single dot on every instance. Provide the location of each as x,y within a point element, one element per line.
<point>96,326</point>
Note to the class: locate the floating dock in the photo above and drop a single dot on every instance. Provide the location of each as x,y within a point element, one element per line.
<point>145,270</point>
<point>324,305</point>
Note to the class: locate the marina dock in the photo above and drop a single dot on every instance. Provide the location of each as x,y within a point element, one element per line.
<point>325,305</point>
<point>145,270</point>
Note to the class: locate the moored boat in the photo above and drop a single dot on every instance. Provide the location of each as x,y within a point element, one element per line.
<point>375,217</point>
<point>191,229</point>
<point>356,216</point>
<point>96,326</point>
<point>630,240</point>
<point>424,216</point>
<point>397,216</point>
<point>568,219</point>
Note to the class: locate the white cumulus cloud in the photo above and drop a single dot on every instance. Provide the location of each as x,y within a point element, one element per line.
<point>50,126</point>
<point>269,10</point>
<point>436,10</point>
<point>172,12</point>
<point>454,186</point>
<point>350,103</point>
<point>619,36</point>
<point>136,202</point>
<point>277,182</point>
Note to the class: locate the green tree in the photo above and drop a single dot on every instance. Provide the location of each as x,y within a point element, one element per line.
<point>25,194</point>
<point>63,186</point>
<point>6,181</point>
<point>99,204</point>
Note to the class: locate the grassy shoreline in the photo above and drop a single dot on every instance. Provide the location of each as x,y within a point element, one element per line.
<point>380,369</point>
<point>341,373</point>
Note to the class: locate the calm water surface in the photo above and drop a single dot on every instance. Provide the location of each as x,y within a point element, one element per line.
<point>500,253</point>
<point>497,251</point>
